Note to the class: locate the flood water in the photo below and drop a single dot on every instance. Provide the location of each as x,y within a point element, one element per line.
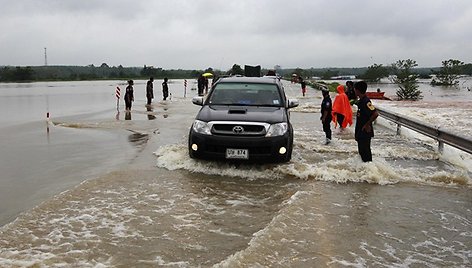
<point>94,186</point>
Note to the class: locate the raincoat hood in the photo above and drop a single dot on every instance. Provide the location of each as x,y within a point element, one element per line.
<point>340,89</point>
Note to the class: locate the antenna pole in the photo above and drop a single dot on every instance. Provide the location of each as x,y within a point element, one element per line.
<point>45,57</point>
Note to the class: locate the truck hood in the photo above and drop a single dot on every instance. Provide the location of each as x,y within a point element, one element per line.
<point>265,114</point>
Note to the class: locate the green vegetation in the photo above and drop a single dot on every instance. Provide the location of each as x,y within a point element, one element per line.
<point>90,72</point>
<point>16,74</point>
<point>406,80</point>
<point>467,69</point>
<point>449,72</point>
<point>374,73</point>
<point>446,75</point>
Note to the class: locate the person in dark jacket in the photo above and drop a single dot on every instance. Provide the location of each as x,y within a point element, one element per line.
<point>326,117</point>
<point>205,85</point>
<point>129,95</point>
<point>366,115</point>
<point>351,94</point>
<point>165,89</point>
<point>201,85</point>
<point>150,90</point>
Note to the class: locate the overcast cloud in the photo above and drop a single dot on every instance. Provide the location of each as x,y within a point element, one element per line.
<point>197,34</point>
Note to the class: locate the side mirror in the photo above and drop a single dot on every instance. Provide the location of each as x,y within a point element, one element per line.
<point>292,103</point>
<point>197,100</point>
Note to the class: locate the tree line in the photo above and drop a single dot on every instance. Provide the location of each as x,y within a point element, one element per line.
<point>90,72</point>
<point>404,73</point>
<point>371,73</point>
<point>406,79</point>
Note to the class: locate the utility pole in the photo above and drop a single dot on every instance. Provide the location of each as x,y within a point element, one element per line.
<point>45,57</point>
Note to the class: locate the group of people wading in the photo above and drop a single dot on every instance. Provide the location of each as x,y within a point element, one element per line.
<point>129,93</point>
<point>340,113</point>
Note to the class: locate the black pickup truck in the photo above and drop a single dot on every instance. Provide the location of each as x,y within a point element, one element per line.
<point>243,119</point>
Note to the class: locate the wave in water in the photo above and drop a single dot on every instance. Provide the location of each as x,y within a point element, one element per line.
<point>349,169</point>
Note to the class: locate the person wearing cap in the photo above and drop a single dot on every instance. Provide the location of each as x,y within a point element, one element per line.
<point>326,109</point>
<point>366,115</point>
<point>129,95</point>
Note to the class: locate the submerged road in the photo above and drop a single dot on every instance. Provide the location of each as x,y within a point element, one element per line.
<point>157,207</point>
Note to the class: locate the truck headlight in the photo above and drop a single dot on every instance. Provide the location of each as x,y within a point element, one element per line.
<point>278,129</point>
<point>201,127</point>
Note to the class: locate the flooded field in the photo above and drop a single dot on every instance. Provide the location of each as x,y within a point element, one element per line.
<point>93,189</point>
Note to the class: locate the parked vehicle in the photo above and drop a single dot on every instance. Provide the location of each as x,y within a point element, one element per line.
<point>243,119</point>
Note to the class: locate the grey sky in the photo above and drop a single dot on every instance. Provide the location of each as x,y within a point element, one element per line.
<point>197,34</point>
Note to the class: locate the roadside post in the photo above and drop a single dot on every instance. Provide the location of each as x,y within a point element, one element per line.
<point>47,115</point>
<point>117,94</point>
<point>185,88</point>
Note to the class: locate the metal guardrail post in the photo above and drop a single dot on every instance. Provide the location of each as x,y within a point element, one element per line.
<point>454,140</point>
<point>441,146</point>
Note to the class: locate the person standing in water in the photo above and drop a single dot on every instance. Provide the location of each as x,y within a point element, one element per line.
<point>129,95</point>
<point>326,109</point>
<point>351,94</point>
<point>342,111</point>
<point>366,115</point>
<point>150,90</point>
<point>200,85</point>
<point>303,85</point>
<point>165,89</point>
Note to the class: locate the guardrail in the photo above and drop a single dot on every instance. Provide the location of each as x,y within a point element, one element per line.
<point>436,133</point>
<point>317,85</point>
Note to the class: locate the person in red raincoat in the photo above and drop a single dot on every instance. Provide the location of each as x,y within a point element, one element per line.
<point>342,111</point>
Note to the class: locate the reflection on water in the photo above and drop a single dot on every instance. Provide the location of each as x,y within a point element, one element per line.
<point>138,139</point>
<point>47,129</point>
<point>150,115</point>
<point>128,115</point>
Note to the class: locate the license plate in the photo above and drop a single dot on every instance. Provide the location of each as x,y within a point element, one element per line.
<point>237,153</point>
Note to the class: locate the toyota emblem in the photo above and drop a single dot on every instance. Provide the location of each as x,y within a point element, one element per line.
<point>238,129</point>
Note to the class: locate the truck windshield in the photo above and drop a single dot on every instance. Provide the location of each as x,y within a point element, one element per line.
<point>254,94</point>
